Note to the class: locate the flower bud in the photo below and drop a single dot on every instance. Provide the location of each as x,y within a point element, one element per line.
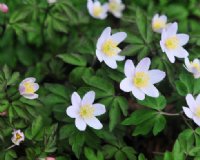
<point>3,8</point>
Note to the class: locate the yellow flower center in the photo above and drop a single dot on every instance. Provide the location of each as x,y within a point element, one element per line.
<point>110,48</point>
<point>141,79</point>
<point>18,136</point>
<point>172,42</point>
<point>196,66</point>
<point>198,111</point>
<point>158,24</point>
<point>29,87</point>
<point>97,11</point>
<point>113,6</point>
<point>86,111</point>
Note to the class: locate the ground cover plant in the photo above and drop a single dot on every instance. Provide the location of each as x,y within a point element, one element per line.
<point>99,80</point>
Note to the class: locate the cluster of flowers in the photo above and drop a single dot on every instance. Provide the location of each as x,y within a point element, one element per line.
<point>138,79</point>
<point>99,11</point>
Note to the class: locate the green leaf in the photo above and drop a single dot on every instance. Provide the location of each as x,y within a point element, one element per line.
<point>130,153</point>
<point>159,124</point>
<point>120,155</point>
<point>73,59</point>
<point>114,115</point>
<point>141,22</point>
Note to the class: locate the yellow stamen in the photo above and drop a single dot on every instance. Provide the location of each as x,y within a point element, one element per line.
<point>158,24</point>
<point>18,136</point>
<point>196,66</point>
<point>198,111</point>
<point>141,79</point>
<point>86,111</point>
<point>172,42</point>
<point>97,11</point>
<point>113,6</point>
<point>110,48</point>
<point>29,87</point>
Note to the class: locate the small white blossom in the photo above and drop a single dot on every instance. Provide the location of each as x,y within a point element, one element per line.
<point>107,47</point>
<point>171,43</point>
<point>52,1</point>
<point>28,87</point>
<point>85,112</point>
<point>193,67</point>
<point>193,112</point>
<point>116,7</point>
<point>97,10</point>
<point>140,80</point>
<point>159,23</point>
<point>18,137</point>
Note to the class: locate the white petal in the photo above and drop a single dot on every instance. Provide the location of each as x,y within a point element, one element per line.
<point>138,93</point>
<point>143,65</point>
<point>191,102</point>
<point>172,29</point>
<point>80,124</point>
<point>188,112</point>
<point>198,100</point>
<point>180,53</point>
<point>119,58</point>
<point>187,63</point>
<point>76,99</point>
<point>30,96</point>
<point>183,38</point>
<point>170,56</point>
<point>129,68</point>
<point>196,120</point>
<point>94,123</point>
<point>99,55</point>
<point>156,75</point>
<point>88,98</point>
<point>111,63</point>
<point>72,111</point>
<point>163,18</point>
<point>99,109</point>
<point>126,85</point>
<point>36,87</point>
<point>105,35</point>
<point>151,91</point>
<point>90,6</point>
<point>118,37</point>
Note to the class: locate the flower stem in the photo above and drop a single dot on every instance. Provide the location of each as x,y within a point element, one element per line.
<point>170,114</point>
<point>10,147</point>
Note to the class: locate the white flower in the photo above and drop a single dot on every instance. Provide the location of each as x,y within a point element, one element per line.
<point>193,112</point>
<point>171,42</point>
<point>97,10</point>
<point>140,80</point>
<point>52,1</point>
<point>27,88</point>
<point>116,7</point>
<point>159,23</point>
<point>193,67</point>
<point>18,137</point>
<point>85,112</point>
<point>107,47</point>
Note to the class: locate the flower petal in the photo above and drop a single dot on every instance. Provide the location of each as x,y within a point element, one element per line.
<point>118,37</point>
<point>143,65</point>
<point>105,35</point>
<point>180,53</point>
<point>188,112</point>
<point>151,91</point>
<point>99,55</point>
<point>183,38</point>
<point>191,102</point>
<point>126,85</point>
<point>119,58</point>
<point>80,123</point>
<point>156,75</point>
<point>99,109</point>
<point>76,99</point>
<point>196,120</point>
<point>129,68</point>
<point>88,98</point>
<point>111,63</point>
<point>138,93</point>
<point>72,111</point>
<point>30,96</point>
<point>172,29</point>
<point>170,56</point>
<point>94,123</point>
<point>36,87</point>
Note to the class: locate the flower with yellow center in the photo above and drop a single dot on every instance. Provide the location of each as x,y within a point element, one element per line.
<point>116,7</point>
<point>97,10</point>
<point>193,67</point>
<point>107,49</point>
<point>193,109</point>
<point>18,137</point>
<point>172,43</point>
<point>159,23</point>
<point>85,112</point>
<point>28,87</point>
<point>140,80</point>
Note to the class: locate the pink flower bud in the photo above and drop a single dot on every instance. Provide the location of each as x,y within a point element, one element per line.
<point>50,158</point>
<point>3,113</point>
<point>3,8</point>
